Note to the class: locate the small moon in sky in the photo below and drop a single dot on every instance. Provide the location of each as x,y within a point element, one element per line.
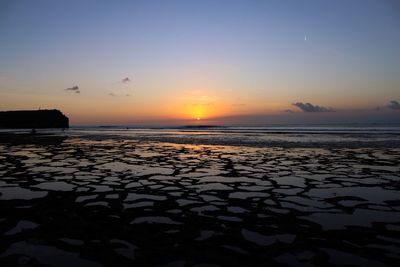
<point>305,37</point>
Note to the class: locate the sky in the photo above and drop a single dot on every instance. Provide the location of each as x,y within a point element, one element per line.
<point>203,61</point>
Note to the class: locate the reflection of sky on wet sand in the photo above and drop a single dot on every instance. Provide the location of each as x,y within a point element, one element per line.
<point>256,136</point>
<point>10,193</point>
<point>265,196</point>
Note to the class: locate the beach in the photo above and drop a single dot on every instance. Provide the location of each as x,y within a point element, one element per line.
<point>109,200</point>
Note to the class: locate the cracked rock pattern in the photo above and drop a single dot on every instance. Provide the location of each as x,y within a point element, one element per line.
<point>130,203</point>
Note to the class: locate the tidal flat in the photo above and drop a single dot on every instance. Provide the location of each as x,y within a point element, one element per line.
<point>113,202</point>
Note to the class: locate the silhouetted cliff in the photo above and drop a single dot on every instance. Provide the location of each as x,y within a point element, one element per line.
<point>33,119</point>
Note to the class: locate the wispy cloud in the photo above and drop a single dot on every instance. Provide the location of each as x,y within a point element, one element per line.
<point>307,107</point>
<point>126,80</point>
<point>394,105</point>
<point>74,89</point>
<point>288,111</point>
<point>117,95</point>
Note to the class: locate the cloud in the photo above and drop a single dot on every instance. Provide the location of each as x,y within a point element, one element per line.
<point>288,111</point>
<point>307,107</point>
<point>117,95</point>
<point>126,80</point>
<point>394,105</point>
<point>74,89</point>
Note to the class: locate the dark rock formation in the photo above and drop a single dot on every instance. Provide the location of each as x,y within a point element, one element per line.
<point>33,119</point>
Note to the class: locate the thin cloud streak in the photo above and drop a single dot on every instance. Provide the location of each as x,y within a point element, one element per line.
<point>308,107</point>
<point>73,89</point>
<point>117,95</point>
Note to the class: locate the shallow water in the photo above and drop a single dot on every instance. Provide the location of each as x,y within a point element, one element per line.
<point>336,136</point>
<point>120,202</point>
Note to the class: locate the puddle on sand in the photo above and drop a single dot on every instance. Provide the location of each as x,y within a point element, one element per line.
<point>11,193</point>
<point>56,186</point>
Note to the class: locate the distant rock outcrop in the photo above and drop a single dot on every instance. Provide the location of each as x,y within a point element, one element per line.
<point>33,119</point>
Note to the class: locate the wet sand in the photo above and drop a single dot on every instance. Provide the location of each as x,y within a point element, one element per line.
<point>82,202</point>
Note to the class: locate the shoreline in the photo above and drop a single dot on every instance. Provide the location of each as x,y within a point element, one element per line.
<point>199,139</point>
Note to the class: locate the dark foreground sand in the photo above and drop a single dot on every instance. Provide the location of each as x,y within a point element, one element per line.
<point>78,202</point>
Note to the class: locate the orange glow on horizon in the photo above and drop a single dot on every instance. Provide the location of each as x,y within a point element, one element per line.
<point>179,106</point>
<point>174,110</point>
